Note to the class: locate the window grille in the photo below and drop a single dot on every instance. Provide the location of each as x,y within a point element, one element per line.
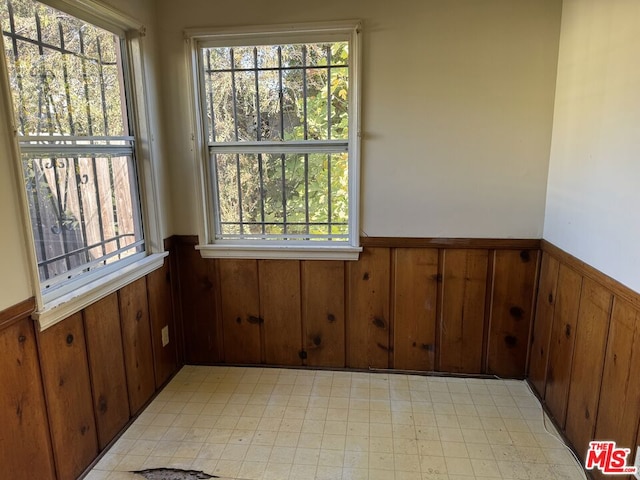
<point>277,124</point>
<point>67,78</point>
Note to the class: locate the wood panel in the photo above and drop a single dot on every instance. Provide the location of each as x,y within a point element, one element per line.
<point>619,408</point>
<point>545,308</point>
<point>514,282</point>
<point>368,329</point>
<point>240,306</point>
<point>618,289</point>
<point>17,312</point>
<point>323,313</point>
<point>414,308</point>
<point>106,367</point>
<point>136,342</point>
<point>562,342</point>
<point>202,330</point>
<point>279,283</point>
<point>452,243</point>
<point>165,359</point>
<point>25,445</point>
<point>65,372</point>
<point>464,286</point>
<point>588,361</point>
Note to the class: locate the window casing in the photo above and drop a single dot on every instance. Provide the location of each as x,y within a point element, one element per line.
<point>277,112</point>
<point>71,85</point>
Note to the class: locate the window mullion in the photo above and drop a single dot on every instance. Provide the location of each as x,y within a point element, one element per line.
<point>94,165</point>
<point>72,131</point>
<point>208,79</point>
<point>329,212</point>
<point>282,157</point>
<point>258,137</point>
<point>306,135</point>
<point>235,126</point>
<point>54,161</point>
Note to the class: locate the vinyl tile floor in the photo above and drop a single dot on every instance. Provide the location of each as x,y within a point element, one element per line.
<point>279,424</point>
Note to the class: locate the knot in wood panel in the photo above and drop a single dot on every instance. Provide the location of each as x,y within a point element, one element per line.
<point>379,322</point>
<point>69,339</point>
<point>516,312</point>
<point>510,341</point>
<point>567,330</point>
<point>102,404</point>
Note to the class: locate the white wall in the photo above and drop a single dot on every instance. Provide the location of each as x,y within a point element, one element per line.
<point>593,200</point>
<point>457,108</point>
<point>15,279</point>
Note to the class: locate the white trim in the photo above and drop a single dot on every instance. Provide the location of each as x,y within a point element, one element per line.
<point>308,146</point>
<point>267,34</point>
<point>144,144</point>
<point>66,305</point>
<point>287,252</point>
<point>98,14</point>
<point>198,38</point>
<point>16,170</point>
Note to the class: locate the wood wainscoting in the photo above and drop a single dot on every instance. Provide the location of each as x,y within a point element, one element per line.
<point>66,392</point>
<point>445,305</point>
<point>585,353</point>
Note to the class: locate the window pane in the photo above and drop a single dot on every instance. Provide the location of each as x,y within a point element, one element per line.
<point>299,92</point>
<point>67,80</point>
<point>282,195</point>
<point>84,212</point>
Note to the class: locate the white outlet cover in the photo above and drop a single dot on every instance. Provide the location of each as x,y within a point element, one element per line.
<point>165,335</point>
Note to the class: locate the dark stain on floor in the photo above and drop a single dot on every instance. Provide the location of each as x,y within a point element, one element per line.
<point>173,474</point>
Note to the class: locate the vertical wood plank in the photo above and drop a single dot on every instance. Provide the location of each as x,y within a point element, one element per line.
<point>511,313</point>
<point>545,308</point>
<point>562,342</point>
<point>619,408</point>
<point>368,341</point>
<point>136,341</point>
<point>106,367</point>
<point>65,372</point>
<point>165,359</point>
<point>414,308</point>
<point>588,361</point>
<point>280,306</point>
<point>240,300</point>
<point>202,329</point>
<point>25,444</point>
<point>464,285</point>
<point>323,313</point>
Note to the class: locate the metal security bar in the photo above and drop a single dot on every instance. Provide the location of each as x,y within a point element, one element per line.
<point>277,120</point>
<point>77,154</point>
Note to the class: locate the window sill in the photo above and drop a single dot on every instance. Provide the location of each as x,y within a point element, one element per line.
<point>281,252</point>
<point>66,305</point>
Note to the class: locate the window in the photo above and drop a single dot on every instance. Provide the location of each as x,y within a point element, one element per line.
<point>70,86</point>
<point>278,116</point>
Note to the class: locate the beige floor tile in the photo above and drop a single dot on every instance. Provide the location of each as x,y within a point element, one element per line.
<point>271,424</point>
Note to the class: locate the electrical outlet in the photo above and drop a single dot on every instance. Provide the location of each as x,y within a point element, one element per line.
<point>165,335</point>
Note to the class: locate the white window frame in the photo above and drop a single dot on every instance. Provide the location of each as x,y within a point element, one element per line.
<point>209,246</point>
<point>94,285</point>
